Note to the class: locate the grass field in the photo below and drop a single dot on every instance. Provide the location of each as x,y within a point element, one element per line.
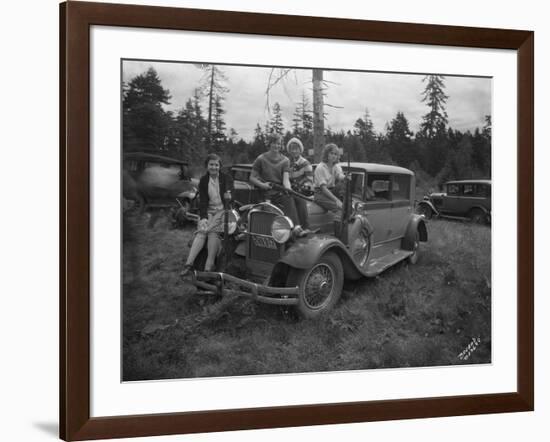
<point>427,314</point>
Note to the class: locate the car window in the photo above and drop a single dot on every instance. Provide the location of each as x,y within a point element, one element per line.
<point>469,190</point>
<point>401,187</point>
<point>378,185</point>
<point>131,165</point>
<point>453,189</point>
<point>482,190</point>
<point>241,175</point>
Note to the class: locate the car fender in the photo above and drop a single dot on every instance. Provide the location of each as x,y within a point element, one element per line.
<point>416,223</point>
<point>305,252</point>
<point>187,194</point>
<point>430,205</point>
<point>487,212</point>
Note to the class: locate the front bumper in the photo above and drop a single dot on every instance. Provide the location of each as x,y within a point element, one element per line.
<point>223,284</point>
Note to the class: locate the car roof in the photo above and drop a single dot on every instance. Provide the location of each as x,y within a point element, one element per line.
<point>153,157</point>
<point>469,182</point>
<point>243,165</point>
<point>377,168</point>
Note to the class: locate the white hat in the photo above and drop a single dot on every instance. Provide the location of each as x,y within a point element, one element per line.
<point>295,141</point>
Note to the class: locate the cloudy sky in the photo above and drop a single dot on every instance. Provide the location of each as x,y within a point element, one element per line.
<point>384,94</point>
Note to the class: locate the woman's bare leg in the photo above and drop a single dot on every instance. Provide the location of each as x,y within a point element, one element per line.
<point>196,247</point>
<point>214,245</point>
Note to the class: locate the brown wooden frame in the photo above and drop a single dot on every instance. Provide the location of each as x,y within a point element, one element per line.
<point>75,21</point>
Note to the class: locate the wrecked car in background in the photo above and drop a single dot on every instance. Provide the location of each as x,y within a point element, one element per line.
<point>156,181</point>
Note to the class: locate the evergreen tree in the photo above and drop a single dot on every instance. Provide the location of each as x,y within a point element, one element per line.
<point>399,140</point>
<point>259,142</point>
<point>191,131</point>
<point>276,123</point>
<point>435,121</point>
<point>145,123</point>
<point>487,127</point>
<point>218,137</point>
<point>363,129</point>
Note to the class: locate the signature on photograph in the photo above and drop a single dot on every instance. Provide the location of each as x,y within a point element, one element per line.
<point>472,346</point>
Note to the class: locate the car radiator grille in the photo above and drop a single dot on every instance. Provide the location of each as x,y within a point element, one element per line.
<point>262,248</point>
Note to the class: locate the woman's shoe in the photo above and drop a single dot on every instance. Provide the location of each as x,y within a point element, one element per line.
<point>187,268</point>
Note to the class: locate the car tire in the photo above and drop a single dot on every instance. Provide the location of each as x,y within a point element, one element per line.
<point>320,285</point>
<point>477,216</point>
<point>424,209</point>
<point>413,259</point>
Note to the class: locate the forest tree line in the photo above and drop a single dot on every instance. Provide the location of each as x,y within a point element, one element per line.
<point>437,152</point>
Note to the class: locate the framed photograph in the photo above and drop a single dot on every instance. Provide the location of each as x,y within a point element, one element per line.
<point>273,221</point>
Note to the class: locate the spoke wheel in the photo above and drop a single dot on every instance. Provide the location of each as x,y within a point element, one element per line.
<point>320,286</point>
<point>359,244</point>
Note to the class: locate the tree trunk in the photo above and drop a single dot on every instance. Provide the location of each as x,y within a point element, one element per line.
<point>210,98</point>
<point>318,116</point>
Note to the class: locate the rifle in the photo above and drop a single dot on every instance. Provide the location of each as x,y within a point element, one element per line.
<point>292,192</point>
<point>226,232</point>
<point>343,232</point>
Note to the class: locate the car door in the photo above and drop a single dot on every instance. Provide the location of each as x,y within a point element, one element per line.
<point>379,205</point>
<point>451,200</point>
<point>401,204</point>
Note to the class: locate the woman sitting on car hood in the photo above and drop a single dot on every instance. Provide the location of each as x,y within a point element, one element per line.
<point>214,188</point>
<point>327,174</point>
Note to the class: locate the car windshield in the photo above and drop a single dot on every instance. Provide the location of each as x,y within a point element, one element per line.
<point>357,183</point>
<point>241,175</point>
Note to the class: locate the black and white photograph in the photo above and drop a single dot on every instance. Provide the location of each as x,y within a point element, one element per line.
<point>295,220</point>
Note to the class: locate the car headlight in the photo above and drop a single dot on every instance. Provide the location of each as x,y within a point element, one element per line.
<point>232,221</point>
<point>281,228</point>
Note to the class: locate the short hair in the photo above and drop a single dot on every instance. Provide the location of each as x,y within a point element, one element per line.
<point>330,147</point>
<point>212,157</point>
<point>274,138</point>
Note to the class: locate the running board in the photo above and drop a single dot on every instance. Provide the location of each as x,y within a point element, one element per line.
<point>377,266</point>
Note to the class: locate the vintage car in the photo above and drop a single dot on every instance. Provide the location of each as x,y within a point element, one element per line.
<point>470,199</point>
<point>379,230</point>
<point>154,181</point>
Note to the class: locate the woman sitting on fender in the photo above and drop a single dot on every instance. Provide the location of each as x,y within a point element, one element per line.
<point>213,186</point>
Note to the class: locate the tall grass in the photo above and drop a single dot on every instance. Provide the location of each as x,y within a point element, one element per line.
<point>409,316</point>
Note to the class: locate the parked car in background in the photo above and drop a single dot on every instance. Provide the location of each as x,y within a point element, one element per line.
<point>155,181</point>
<point>285,268</point>
<point>469,199</point>
<point>245,192</point>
